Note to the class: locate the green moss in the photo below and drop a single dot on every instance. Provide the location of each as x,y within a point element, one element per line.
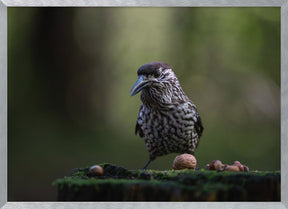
<point>182,184</point>
<point>115,174</point>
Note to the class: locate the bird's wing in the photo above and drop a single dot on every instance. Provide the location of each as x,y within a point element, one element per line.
<point>196,118</point>
<point>198,125</point>
<point>138,129</point>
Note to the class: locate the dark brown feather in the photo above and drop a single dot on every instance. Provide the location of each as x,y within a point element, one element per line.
<point>168,120</point>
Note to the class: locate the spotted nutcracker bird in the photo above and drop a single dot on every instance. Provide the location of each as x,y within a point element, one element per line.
<point>168,120</point>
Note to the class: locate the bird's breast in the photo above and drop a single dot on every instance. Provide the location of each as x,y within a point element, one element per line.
<point>169,123</point>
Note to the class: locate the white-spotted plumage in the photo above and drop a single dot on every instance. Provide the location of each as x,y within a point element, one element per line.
<point>168,121</point>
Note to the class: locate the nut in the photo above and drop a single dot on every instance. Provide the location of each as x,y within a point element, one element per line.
<point>239,165</point>
<point>236,162</point>
<point>246,169</point>
<point>216,165</point>
<point>233,168</point>
<point>96,170</point>
<point>211,165</point>
<point>184,161</point>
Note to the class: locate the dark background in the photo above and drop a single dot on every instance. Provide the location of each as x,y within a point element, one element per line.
<point>70,71</point>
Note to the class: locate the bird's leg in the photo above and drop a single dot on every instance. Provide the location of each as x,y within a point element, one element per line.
<point>147,164</point>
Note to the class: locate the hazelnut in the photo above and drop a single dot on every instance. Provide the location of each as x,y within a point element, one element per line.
<point>232,168</point>
<point>216,165</point>
<point>239,165</point>
<point>246,169</point>
<point>96,170</point>
<point>211,165</point>
<point>184,161</point>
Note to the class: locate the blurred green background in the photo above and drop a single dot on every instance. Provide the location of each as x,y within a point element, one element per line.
<point>70,71</point>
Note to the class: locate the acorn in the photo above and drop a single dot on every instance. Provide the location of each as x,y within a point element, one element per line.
<point>184,161</point>
<point>232,168</point>
<point>96,170</point>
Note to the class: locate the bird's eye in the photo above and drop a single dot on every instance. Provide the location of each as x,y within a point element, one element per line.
<point>156,74</point>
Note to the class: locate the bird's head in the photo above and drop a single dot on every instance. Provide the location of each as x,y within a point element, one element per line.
<point>156,75</point>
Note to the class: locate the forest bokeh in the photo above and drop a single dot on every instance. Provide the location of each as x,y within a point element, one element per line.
<point>70,71</point>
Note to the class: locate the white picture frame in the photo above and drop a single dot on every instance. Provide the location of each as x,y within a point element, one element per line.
<point>147,3</point>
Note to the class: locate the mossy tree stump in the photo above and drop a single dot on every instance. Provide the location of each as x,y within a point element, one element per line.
<point>120,184</point>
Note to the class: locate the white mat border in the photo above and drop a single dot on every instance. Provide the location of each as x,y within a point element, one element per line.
<point>136,3</point>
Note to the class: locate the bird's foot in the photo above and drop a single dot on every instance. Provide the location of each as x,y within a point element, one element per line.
<point>147,164</point>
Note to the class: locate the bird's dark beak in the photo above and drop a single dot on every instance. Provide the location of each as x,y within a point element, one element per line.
<point>140,84</point>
